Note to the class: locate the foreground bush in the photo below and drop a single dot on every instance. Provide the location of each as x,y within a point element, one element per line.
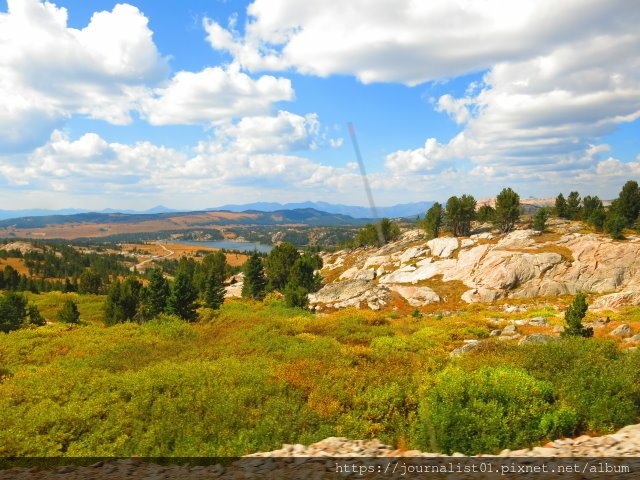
<point>487,410</point>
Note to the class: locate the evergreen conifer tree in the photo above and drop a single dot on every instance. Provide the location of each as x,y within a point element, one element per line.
<point>507,210</point>
<point>183,296</point>
<point>157,293</point>
<point>214,291</point>
<point>433,221</point>
<point>573,317</point>
<point>69,312</point>
<point>254,281</point>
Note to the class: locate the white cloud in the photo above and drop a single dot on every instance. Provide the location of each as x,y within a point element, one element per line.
<point>214,96</point>
<point>408,41</point>
<point>49,71</point>
<point>432,158</point>
<point>284,132</point>
<point>90,164</point>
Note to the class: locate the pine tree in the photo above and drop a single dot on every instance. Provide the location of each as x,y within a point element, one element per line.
<point>433,221</point>
<point>561,206</point>
<point>278,264</point>
<point>13,311</point>
<point>507,210</point>
<point>573,317</point>
<point>540,219</point>
<point>35,317</point>
<point>182,300</point>
<point>459,214</point>
<point>573,206</point>
<point>254,280</point>
<point>628,202</point>
<point>614,224</point>
<point>214,291</point>
<point>589,206</point>
<point>69,312</point>
<point>486,213</point>
<point>157,293</point>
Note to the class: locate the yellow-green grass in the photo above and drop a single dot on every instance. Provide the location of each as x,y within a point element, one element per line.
<point>255,375</point>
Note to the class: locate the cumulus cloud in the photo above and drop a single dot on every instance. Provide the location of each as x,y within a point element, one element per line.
<point>49,71</point>
<point>407,41</point>
<point>214,96</point>
<point>432,158</point>
<point>560,75</point>
<point>90,164</point>
<point>284,132</point>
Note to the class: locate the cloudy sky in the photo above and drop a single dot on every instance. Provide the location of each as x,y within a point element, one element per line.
<point>197,103</point>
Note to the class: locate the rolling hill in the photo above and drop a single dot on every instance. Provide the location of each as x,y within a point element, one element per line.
<point>95,225</point>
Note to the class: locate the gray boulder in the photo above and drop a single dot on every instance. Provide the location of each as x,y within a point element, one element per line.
<point>466,348</point>
<point>537,338</point>
<point>623,330</point>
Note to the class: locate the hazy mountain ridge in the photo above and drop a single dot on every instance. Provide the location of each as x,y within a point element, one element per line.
<point>94,224</point>
<point>400,210</point>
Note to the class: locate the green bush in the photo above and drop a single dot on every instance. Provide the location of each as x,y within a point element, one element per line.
<point>484,410</point>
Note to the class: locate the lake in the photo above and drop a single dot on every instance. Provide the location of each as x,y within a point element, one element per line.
<point>229,245</point>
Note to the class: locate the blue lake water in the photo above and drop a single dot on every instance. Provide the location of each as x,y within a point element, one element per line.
<point>241,246</point>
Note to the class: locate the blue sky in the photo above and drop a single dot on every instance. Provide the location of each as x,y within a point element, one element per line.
<point>194,104</point>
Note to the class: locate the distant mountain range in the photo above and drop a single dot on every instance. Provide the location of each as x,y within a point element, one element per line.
<point>116,225</point>
<point>401,210</point>
<point>41,212</point>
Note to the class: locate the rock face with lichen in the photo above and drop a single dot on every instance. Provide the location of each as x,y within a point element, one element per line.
<point>520,264</point>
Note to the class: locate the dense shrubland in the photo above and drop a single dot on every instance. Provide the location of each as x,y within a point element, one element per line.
<point>253,375</point>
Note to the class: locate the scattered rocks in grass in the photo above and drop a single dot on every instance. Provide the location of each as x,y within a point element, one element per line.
<point>509,330</point>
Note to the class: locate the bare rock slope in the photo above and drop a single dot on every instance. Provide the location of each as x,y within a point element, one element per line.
<point>520,264</point>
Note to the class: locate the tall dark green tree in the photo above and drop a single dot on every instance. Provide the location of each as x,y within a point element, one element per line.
<point>254,285</point>
<point>486,213</point>
<point>214,291</point>
<point>278,264</point>
<point>589,206</point>
<point>69,312</point>
<point>573,317</point>
<point>183,296</point>
<point>433,221</point>
<point>13,311</point>
<point>507,210</point>
<point>390,231</point>
<point>157,293</point>
<point>459,214</point>
<point>573,206</point>
<point>614,224</point>
<point>90,282</point>
<point>561,206</point>
<point>540,219</point>
<point>628,202</point>
<point>371,233</point>
<point>122,302</point>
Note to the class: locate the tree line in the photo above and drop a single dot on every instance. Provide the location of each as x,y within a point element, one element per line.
<point>458,213</point>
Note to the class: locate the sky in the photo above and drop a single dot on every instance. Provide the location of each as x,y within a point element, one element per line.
<point>199,103</point>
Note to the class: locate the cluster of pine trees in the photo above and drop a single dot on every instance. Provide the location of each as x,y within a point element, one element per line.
<point>16,312</point>
<point>459,212</point>
<point>194,284</point>
<point>623,212</point>
<point>285,270</point>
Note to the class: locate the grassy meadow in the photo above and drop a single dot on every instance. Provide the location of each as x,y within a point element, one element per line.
<point>255,375</point>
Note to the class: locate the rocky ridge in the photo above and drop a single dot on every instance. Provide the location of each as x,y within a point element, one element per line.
<point>286,462</point>
<point>488,266</point>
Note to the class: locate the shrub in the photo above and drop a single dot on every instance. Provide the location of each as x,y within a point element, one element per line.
<point>69,312</point>
<point>485,410</point>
